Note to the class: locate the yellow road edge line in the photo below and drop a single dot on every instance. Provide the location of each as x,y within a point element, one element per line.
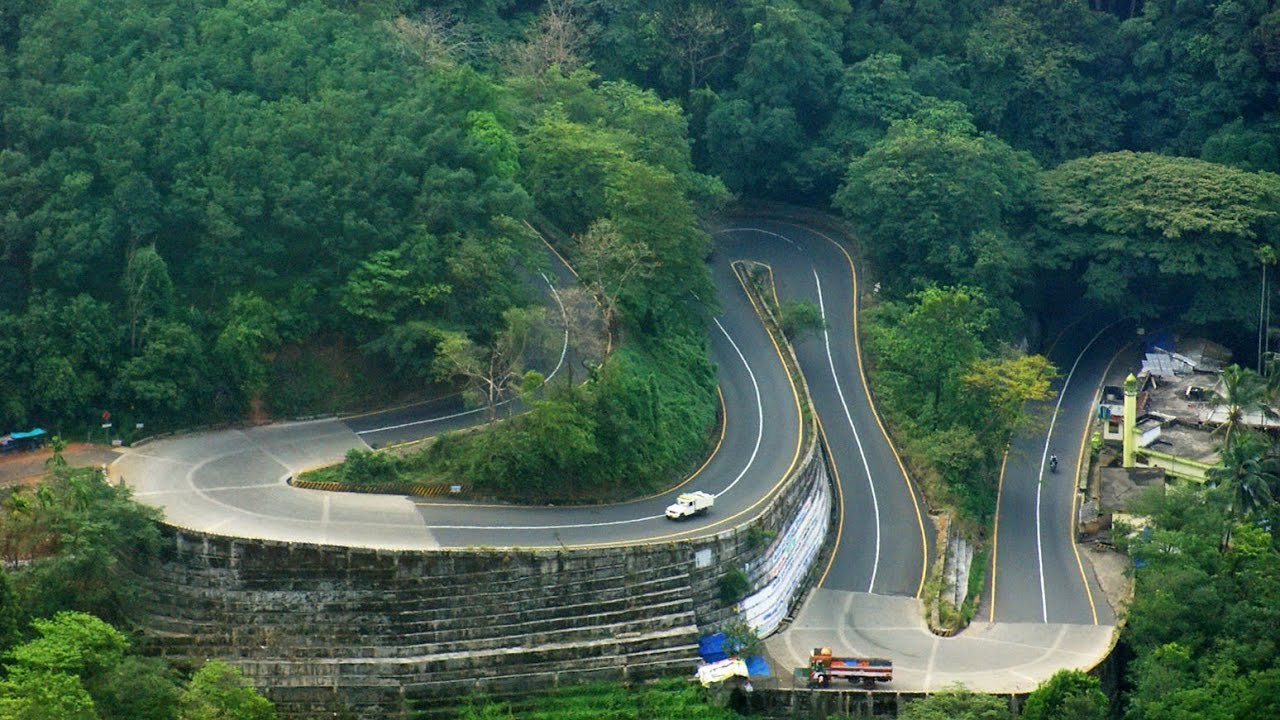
<point>663,539</point>
<point>835,548</point>
<point>795,394</point>
<point>551,248</point>
<point>1075,548</point>
<point>862,375</point>
<point>608,349</point>
<point>424,401</point>
<point>1058,338</point>
<point>995,536</point>
<point>1084,439</point>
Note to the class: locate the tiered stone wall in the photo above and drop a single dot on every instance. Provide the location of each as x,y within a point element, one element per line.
<point>386,634</point>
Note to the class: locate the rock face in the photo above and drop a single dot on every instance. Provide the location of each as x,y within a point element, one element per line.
<point>387,634</point>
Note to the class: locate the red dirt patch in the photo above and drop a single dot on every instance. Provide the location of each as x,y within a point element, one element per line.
<point>26,468</point>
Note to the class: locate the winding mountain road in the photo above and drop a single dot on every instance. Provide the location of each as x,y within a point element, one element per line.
<point>235,482</point>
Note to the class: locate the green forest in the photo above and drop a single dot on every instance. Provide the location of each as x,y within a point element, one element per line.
<point>69,552</point>
<point>225,210</point>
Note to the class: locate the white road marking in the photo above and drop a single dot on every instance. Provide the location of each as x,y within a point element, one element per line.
<point>564,350</point>
<point>875,502</point>
<point>1044,599</point>
<point>784,238</point>
<point>610,523</point>
<point>220,488</point>
<point>759,411</point>
<point>931,663</point>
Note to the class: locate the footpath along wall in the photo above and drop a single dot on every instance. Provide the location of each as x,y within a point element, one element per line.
<point>387,634</point>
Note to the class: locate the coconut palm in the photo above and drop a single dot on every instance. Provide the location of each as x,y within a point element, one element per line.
<point>1247,473</point>
<point>1242,392</point>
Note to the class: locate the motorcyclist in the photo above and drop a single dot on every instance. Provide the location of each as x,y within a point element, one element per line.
<point>1053,463</point>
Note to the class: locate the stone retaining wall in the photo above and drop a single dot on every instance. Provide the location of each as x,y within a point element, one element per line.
<point>839,703</point>
<point>387,634</point>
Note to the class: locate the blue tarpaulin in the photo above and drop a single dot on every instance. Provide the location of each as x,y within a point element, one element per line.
<point>28,434</point>
<point>757,667</point>
<point>711,648</point>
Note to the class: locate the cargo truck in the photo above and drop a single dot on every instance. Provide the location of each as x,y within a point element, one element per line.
<point>823,666</point>
<point>690,504</point>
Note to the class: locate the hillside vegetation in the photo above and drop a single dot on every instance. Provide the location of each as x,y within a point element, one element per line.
<point>221,209</point>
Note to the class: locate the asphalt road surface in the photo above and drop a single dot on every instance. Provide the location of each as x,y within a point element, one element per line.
<point>235,482</point>
<point>1039,576</point>
<point>883,536</point>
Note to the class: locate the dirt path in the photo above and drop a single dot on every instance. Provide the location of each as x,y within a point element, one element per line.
<point>25,468</point>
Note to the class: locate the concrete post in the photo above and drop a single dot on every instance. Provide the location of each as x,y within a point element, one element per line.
<point>1130,418</point>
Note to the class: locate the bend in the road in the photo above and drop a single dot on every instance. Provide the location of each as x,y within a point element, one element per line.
<point>233,482</point>
<point>877,545</point>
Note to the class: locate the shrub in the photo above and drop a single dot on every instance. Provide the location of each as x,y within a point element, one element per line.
<point>734,586</point>
<point>366,467</point>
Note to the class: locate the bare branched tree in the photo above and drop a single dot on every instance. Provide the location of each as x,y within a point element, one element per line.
<point>609,263</point>
<point>492,375</point>
<point>699,32</point>
<point>555,41</point>
<point>435,38</point>
<point>585,322</point>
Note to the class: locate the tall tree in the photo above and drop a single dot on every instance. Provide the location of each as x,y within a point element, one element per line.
<point>219,691</point>
<point>937,201</point>
<point>1245,473</point>
<point>1242,394</point>
<point>148,291</point>
<point>1158,235</point>
<point>611,264</point>
<point>490,376</point>
<point>1068,695</point>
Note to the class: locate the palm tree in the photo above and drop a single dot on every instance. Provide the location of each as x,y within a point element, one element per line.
<point>1242,392</point>
<point>1246,474</point>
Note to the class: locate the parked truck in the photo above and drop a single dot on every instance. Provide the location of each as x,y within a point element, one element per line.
<point>823,666</point>
<point>690,504</point>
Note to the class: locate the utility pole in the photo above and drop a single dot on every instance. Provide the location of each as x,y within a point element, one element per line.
<point>1266,256</point>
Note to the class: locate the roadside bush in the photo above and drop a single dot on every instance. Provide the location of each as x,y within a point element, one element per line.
<point>800,318</point>
<point>643,418</point>
<point>366,467</point>
<point>740,639</point>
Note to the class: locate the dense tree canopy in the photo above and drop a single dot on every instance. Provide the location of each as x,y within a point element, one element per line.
<point>1203,615</point>
<point>1158,233</point>
<point>954,392</point>
<point>74,545</point>
<point>938,202</point>
<point>194,206</point>
<point>218,208</point>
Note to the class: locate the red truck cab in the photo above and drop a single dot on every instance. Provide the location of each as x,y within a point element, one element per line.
<point>823,666</point>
